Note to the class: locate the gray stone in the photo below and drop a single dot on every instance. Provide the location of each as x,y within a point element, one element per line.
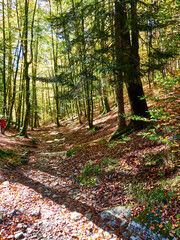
<point>1,217</point>
<point>88,216</point>
<point>22,210</point>
<point>6,183</point>
<point>10,237</point>
<point>135,228</point>
<point>124,224</point>
<point>125,235</point>
<point>112,223</point>
<point>18,235</point>
<point>55,196</point>
<point>135,238</point>
<point>36,212</point>
<point>76,216</point>
<point>118,212</point>
<point>12,213</point>
<point>21,225</point>
<point>71,208</point>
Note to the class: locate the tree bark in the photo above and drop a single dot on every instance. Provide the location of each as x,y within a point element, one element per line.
<point>119,29</point>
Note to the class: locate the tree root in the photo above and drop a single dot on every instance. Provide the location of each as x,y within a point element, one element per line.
<point>132,127</point>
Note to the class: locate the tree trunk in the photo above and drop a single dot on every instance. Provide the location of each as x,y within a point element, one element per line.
<point>23,131</point>
<point>4,58</point>
<point>133,83</point>
<point>119,28</point>
<point>128,64</point>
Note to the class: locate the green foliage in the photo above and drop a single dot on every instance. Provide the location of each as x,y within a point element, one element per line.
<point>152,159</point>
<point>5,153</point>
<point>34,140</point>
<point>91,172</point>
<point>157,200</point>
<point>155,219</point>
<point>151,197</point>
<point>167,83</point>
<point>123,140</point>
<point>72,151</point>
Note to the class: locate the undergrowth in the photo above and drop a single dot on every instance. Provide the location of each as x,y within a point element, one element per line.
<point>91,173</point>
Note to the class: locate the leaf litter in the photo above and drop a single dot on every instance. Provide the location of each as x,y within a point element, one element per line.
<point>42,199</point>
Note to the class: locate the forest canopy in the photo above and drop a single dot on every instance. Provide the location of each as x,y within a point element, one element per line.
<point>66,58</point>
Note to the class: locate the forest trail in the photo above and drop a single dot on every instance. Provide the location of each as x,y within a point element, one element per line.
<point>41,198</point>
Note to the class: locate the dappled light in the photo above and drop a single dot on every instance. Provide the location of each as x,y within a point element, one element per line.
<point>89,120</point>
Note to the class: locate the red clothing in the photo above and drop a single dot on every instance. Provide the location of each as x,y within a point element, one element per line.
<point>2,123</point>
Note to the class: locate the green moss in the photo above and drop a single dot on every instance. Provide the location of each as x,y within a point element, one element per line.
<point>5,153</point>
<point>91,172</point>
<point>71,151</point>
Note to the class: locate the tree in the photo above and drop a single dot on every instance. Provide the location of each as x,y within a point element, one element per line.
<point>128,62</point>
<point>23,131</point>
<point>4,59</point>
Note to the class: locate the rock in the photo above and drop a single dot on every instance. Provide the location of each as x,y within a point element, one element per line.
<point>125,235</point>
<point>21,225</point>
<point>6,183</point>
<point>12,213</point>
<point>18,235</point>
<point>124,224</point>
<point>118,212</point>
<point>88,216</point>
<point>135,238</point>
<point>76,216</point>
<point>10,237</point>
<point>112,223</point>
<point>63,153</point>
<point>22,210</point>
<point>134,228</point>
<point>36,212</point>
<point>55,196</point>
<point>54,133</point>
<point>1,217</point>
<point>71,208</point>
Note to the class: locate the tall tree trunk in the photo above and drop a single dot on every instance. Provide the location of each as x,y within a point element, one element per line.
<point>4,59</point>
<point>120,19</point>
<point>9,55</point>
<point>103,82</point>
<point>133,83</point>
<point>128,63</point>
<point>55,63</point>
<point>14,89</point>
<point>23,131</point>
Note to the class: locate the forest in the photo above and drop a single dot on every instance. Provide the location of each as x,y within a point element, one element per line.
<point>89,91</point>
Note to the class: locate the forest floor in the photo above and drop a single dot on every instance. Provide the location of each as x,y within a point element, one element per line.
<point>58,181</point>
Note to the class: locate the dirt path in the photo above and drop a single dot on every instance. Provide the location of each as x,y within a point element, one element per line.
<point>41,199</point>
